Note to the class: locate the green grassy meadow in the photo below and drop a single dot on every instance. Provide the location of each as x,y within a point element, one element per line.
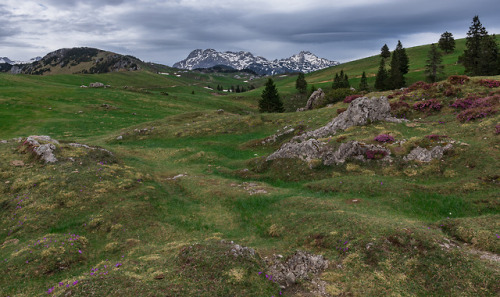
<point>155,218</point>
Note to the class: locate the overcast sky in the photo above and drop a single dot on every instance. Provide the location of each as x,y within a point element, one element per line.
<point>167,31</point>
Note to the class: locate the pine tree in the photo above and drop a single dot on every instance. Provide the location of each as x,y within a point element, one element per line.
<point>404,61</point>
<point>447,42</point>
<point>363,84</point>
<point>311,90</point>
<point>381,78</point>
<point>345,82</point>
<point>301,83</point>
<point>396,79</point>
<point>336,81</point>
<point>270,100</point>
<point>489,56</point>
<point>384,52</point>
<point>472,54</point>
<point>433,68</point>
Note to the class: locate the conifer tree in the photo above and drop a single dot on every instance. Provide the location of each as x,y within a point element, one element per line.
<point>363,84</point>
<point>384,52</point>
<point>345,82</point>
<point>336,81</point>
<point>488,63</point>
<point>404,61</point>
<point>433,68</point>
<point>301,83</point>
<point>447,42</point>
<point>270,100</point>
<point>396,79</point>
<point>473,52</point>
<point>381,78</point>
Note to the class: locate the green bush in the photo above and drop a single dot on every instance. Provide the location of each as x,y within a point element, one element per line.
<point>337,95</point>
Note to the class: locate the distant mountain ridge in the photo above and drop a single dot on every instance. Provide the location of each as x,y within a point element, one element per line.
<point>304,61</point>
<point>73,61</point>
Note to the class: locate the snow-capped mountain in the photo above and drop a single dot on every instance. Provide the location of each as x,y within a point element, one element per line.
<point>302,62</point>
<point>9,61</point>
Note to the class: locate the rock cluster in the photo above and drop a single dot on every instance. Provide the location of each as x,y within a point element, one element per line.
<point>298,267</point>
<point>425,155</point>
<point>43,146</point>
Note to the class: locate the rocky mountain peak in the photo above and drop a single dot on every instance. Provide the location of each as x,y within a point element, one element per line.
<point>304,61</point>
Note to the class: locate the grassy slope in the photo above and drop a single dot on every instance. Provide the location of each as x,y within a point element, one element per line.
<point>130,210</point>
<point>417,56</point>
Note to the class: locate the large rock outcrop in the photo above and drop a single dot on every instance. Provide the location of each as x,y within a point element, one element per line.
<point>316,100</point>
<point>361,111</point>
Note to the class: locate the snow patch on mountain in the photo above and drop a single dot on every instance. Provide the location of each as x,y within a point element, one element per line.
<point>9,61</point>
<point>304,61</point>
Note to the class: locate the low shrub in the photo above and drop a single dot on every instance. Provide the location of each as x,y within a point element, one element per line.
<point>490,83</point>
<point>384,138</point>
<point>337,95</point>
<point>475,113</point>
<point>458,79</point>
<point>428,105</point>
<point>349,99</point>
<point>375,154</point>
<point>451,91</point>
<point>420,85</point>
<point>497,129</point>
<point>400,109</point>
<point>435,137</point>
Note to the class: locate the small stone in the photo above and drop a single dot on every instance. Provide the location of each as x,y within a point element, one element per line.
<point>119,137</point>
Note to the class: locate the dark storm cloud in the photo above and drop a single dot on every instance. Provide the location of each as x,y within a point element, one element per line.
<point>166,31</point>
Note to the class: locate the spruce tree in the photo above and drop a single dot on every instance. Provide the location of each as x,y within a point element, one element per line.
<point>345,82</point>
<point>396,79</point>
<point>381,78</point>
<point>363,84</point>
<point>447,42</point>
<point>489,56</point>
<point>384,52</point>
<point>433,68</point>
<point>404,61</point>
<point>336,81</point>
<point>472,54</point>
<point>270,100</point>
<point>301,83</point>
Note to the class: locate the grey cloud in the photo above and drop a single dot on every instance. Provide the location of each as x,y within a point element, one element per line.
<point>170,32</point>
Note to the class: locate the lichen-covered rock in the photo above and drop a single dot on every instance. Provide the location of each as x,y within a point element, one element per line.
<point>361,111</point>
<point>425,155</point>
<point>43,146</point>
<point>316,100</point>
<point>353,150</point>
<point>298,267</point>
<point>307,150</point>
